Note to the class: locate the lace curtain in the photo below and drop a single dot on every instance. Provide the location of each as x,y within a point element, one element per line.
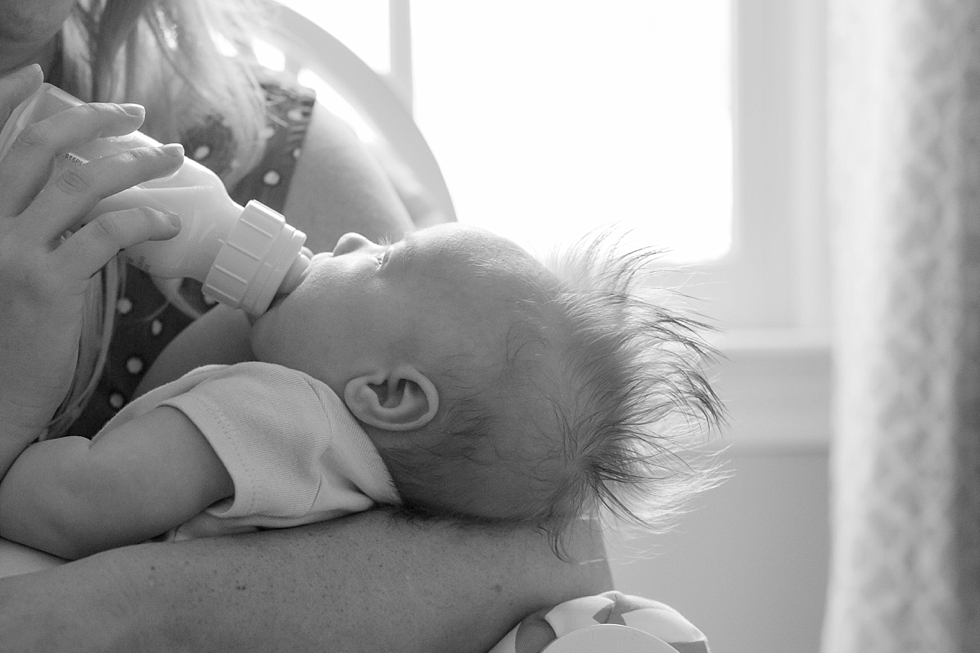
<point>904,185</point>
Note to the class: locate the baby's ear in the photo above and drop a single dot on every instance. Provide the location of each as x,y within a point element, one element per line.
<point>402,399</point>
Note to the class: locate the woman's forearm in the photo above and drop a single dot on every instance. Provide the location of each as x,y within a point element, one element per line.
<point>371,582</point>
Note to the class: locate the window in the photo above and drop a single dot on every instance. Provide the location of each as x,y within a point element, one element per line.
<point>551,117</point>
<point>525,101</point>
<point>363,26</point>
<point>700,123</point>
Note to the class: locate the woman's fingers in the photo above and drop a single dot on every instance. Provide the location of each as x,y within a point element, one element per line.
<point>69,197</point>
<point>28,163</point>
<point>17,87</point>
<point>91,247</point>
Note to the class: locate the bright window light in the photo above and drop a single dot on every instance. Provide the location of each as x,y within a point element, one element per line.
<point>552,117</point>
<point>337,104</point>
<point>361,25</point>
<point>268,55</point>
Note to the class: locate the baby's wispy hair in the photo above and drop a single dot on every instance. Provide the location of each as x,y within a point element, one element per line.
<point>595,408</point>
<point>634,402</point>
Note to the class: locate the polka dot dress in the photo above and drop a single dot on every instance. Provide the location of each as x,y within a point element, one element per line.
<point>145,322</point>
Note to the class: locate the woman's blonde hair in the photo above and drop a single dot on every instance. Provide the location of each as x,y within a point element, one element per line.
<point>165,55</point>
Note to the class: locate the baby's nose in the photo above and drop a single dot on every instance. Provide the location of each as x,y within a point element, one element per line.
<point>350,242</point>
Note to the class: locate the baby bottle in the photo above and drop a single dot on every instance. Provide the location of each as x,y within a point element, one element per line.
<point>244,256</point>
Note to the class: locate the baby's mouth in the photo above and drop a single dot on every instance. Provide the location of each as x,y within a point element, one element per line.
<point>278,299</point>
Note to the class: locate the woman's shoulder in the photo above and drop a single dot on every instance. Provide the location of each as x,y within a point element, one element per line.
<point>339,186</point>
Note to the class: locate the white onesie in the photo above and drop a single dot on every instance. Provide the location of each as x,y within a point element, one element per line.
<point>295,453</point>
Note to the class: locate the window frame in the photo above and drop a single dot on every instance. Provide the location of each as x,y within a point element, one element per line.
<point>776,377</point>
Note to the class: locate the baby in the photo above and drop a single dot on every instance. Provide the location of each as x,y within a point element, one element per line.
<point>449,372</point>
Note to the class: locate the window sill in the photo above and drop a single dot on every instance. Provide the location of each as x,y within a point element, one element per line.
<point>776,386</point>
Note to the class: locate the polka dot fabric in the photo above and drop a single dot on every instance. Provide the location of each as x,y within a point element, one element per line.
<point>145,322</point>
<point>268,182</point>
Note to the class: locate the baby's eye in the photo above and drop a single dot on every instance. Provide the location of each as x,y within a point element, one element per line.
<point>382,257</point>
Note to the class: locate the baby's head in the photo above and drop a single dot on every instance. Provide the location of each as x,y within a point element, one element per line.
<point>495,387</point>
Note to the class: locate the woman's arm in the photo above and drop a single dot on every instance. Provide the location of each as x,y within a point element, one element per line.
<point>369,582</point>
<point>219,337</point>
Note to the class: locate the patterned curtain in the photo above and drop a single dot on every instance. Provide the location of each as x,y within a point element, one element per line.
<point>904,187</point>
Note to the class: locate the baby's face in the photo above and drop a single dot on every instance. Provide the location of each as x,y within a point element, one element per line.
<point>367,306</point>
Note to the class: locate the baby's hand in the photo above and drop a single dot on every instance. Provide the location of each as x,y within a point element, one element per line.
<point>44,275</point>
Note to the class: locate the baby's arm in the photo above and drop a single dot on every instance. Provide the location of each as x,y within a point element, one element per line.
<point>73,497</point>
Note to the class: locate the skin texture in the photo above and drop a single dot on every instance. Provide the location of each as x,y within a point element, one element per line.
<point>371,582</point>
<point>27,29</point>
<point>428,587</point>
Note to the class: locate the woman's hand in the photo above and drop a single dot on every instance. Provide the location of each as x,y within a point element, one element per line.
<point>44,275</point>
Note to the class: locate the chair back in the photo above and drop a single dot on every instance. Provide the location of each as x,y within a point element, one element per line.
<point>358,95</point>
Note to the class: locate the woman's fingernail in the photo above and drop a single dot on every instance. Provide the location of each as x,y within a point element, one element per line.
<point>156,214</point>
<point>173,149</point>
<point>33,69</point>
<point>135,110</point>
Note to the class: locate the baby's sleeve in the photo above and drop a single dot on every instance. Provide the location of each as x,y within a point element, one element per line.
<point>271,430</point>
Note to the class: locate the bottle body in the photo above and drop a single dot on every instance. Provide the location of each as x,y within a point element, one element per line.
<point>188,254</point>
<point>242,255</point>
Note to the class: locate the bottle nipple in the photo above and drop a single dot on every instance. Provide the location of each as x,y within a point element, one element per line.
<point>296,273</point>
